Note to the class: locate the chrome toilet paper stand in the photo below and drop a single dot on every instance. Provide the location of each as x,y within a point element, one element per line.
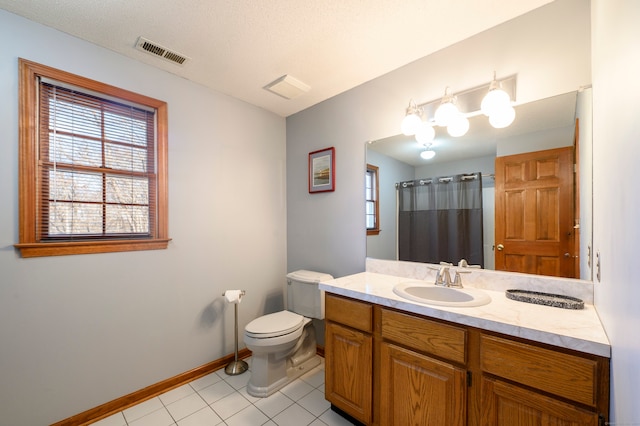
<point>237,366</point>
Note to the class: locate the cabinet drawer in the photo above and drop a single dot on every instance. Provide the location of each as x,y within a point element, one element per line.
<point>561,374</point>
<point>349,312</point>
<point>442,340</point>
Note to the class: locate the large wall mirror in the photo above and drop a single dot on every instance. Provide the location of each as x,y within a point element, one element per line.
<point>545,124</point>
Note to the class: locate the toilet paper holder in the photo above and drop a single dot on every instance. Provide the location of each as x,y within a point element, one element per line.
<point>237,366</point>
<point>240,294</point>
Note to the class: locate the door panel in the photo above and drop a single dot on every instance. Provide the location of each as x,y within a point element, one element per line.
<point>419,390</point>
<point>534,213</point>
<point>349,370</point>
<point>507,405</point>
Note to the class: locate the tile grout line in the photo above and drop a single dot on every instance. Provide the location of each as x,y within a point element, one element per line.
<point>313,385</point>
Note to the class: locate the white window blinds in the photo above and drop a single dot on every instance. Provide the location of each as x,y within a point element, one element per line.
<point>97,167</point>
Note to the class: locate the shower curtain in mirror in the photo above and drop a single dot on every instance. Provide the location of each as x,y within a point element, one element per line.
<point>440,219</point>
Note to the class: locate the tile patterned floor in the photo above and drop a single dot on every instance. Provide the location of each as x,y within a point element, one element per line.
<point>220,399</point>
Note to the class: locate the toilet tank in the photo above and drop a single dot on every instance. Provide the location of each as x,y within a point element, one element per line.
<point>303,295</point>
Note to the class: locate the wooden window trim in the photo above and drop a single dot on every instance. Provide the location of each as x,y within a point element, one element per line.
<point>376,230</point>
<point>29,246</point>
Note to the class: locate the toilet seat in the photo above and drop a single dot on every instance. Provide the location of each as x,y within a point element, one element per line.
<point>274,325</point>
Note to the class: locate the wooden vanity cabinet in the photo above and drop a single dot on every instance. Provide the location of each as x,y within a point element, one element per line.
<point>349,356</point>
<point>505,404</point>
<point>527,383</point>
<point>422,377</point>
<point>432,372</point>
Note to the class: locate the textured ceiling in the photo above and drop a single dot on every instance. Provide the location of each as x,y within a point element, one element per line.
<point>237,47</point>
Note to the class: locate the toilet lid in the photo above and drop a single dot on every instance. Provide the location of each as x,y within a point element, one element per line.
<point>272,325</point>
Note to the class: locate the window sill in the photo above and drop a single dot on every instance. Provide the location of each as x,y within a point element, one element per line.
<point>88,247</point>
<point>373,231</point>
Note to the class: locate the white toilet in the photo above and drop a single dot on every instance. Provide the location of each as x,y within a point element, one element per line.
<point>283,344</point>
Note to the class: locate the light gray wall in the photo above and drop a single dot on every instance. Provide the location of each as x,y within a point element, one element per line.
<point>390,171</point>
<point>549,50</point>
<point>79,331</point>
<point>616,132</point>
<point>326,231</point>
<point>537,141</point>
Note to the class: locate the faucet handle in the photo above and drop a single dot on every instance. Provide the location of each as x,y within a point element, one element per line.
<point>443,277</point>
<point>457,280</point>
<point>464,264</point>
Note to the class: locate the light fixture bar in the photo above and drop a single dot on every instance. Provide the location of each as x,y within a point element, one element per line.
<point>468,101</point>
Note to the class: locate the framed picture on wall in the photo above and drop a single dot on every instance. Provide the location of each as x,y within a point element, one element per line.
<point>322,177</point>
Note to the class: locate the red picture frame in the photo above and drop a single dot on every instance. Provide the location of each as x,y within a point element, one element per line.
<point>322,175</point>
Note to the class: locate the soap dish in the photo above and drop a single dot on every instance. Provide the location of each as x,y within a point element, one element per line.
<point>547,299</point>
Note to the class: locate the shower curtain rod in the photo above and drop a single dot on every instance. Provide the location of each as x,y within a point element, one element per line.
<point>444,179</point>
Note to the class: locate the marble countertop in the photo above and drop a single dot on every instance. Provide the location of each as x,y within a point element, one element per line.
<point>579,330</point>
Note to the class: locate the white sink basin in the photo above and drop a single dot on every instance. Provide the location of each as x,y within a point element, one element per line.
<point>419,291</point>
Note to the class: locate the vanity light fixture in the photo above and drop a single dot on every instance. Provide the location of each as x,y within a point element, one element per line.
<point>503,118</point>
<point>411,120</point>
<point>459,126</point>
<point>447,115</point>
<point>496,105</point>
<point>494,99</point>
<point>425,133</point>
<point>447,112</point>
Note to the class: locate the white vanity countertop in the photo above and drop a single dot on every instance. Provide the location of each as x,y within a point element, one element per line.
<point>579,330</point>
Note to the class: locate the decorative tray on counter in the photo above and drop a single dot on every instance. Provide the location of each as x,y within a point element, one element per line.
<point>548,299</point>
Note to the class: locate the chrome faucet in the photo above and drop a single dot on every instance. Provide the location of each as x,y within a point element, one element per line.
<point>443,277</point>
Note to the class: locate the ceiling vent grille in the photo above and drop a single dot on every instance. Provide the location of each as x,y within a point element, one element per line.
<point>287,86</point>
<point>155,49</point>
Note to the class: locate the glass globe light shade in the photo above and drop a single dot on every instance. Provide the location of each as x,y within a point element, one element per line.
<point>428,154</point>
<point>502,118</point>
<point>496,99</point>
<point>425,133</point>
<point>446,112</point>
<point>410,124</point>
<point>459,126</point>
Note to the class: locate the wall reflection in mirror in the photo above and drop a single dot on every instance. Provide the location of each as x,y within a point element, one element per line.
<point>544,125</point>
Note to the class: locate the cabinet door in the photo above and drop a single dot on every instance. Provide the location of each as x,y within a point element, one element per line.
<point>506,405</point>
<point>348,369</point>
<point>417,390</point>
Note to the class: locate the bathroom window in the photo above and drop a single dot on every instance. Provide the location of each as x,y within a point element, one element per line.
<point>371,199</point>
<point>92,166</point>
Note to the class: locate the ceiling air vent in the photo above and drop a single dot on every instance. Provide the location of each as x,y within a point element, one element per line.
<point>155,49</point>
<point>287,86</point>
